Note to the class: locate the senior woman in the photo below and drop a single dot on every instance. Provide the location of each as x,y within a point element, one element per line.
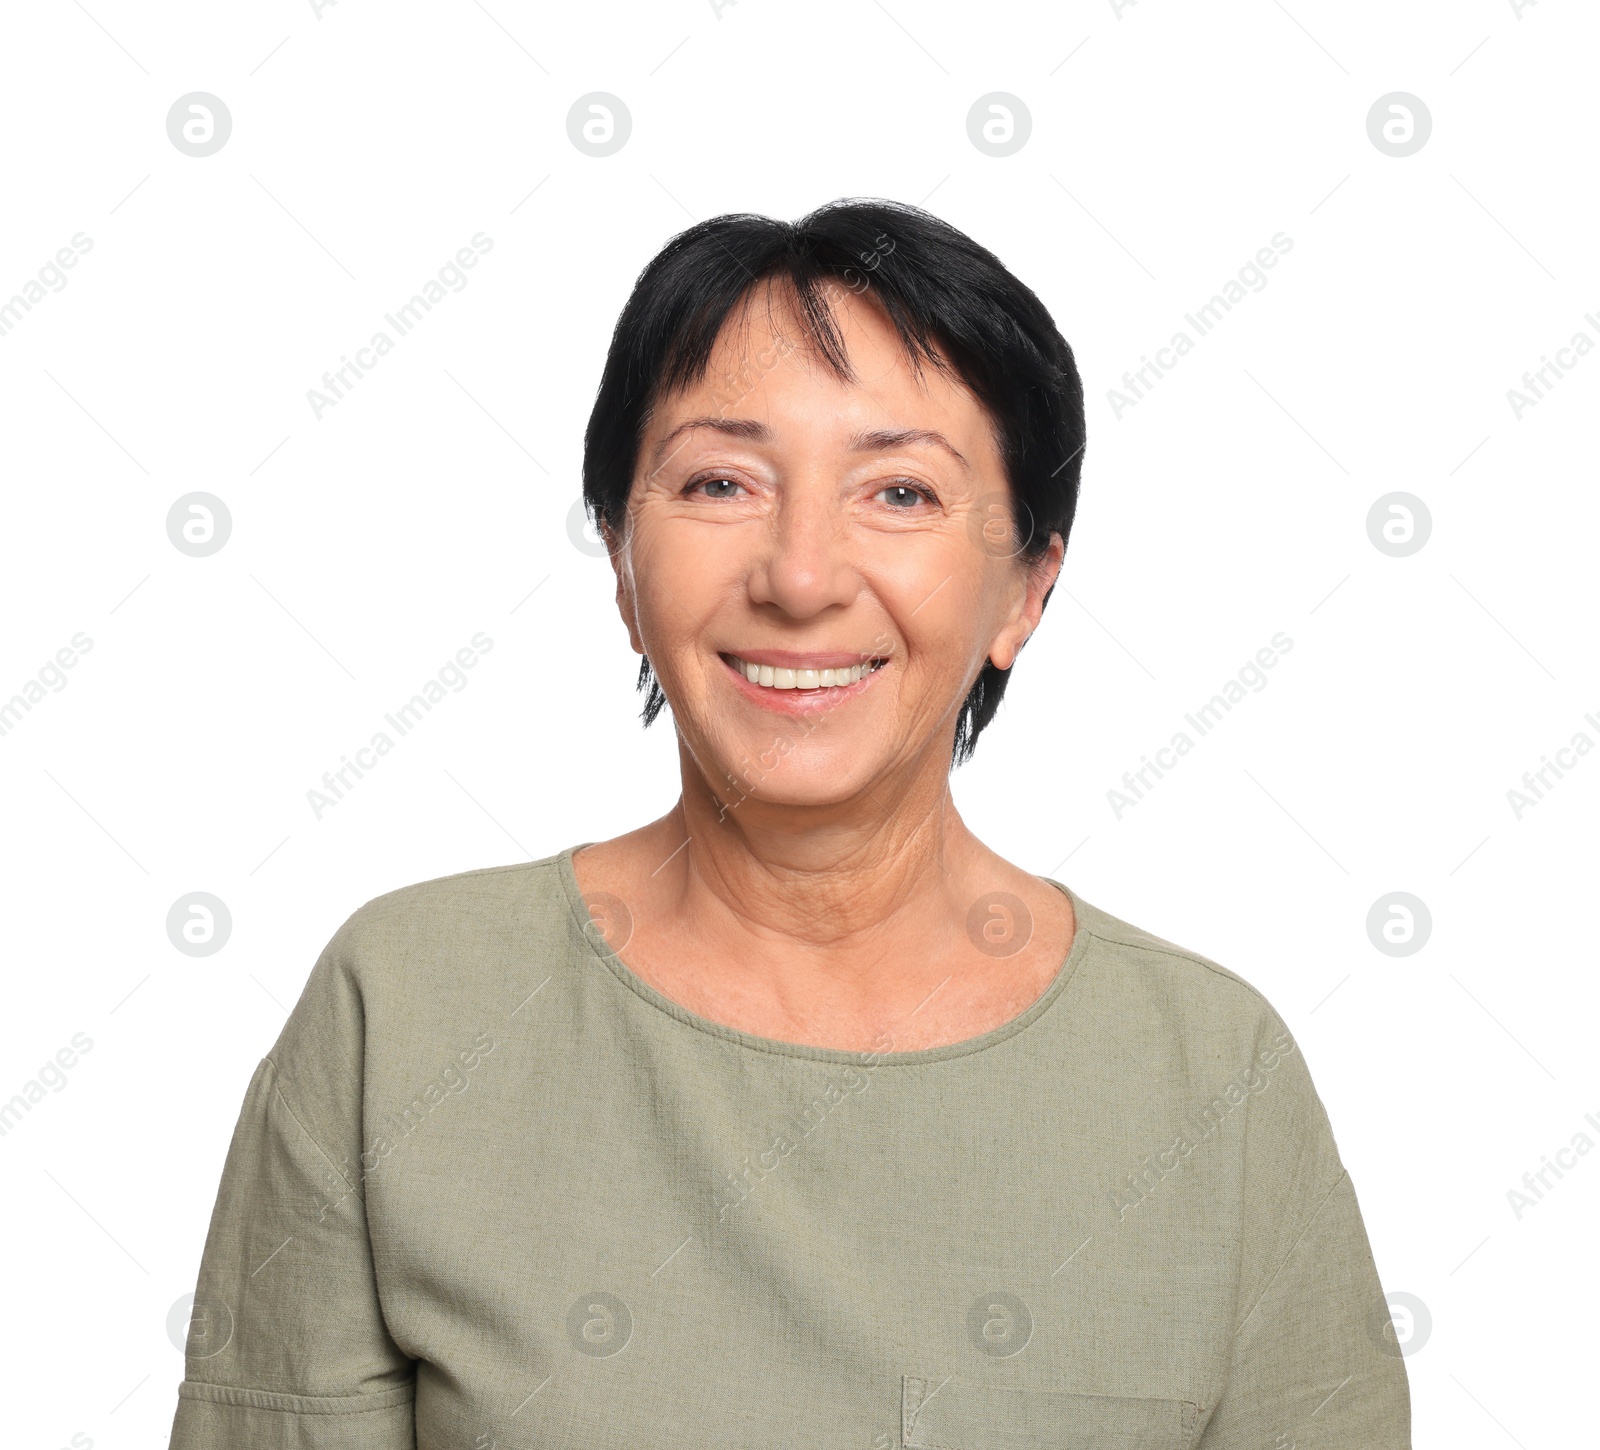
<point>798,1117</point>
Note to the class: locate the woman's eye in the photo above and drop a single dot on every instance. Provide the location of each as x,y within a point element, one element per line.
<point>905,495</point>
<point>712,482</point>
<point>902,496</point>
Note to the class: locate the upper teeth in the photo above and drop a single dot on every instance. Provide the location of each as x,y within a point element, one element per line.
<point>782,679</point>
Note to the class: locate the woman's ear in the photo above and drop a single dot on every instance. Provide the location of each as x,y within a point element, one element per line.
<point>625,602</point>
<point>1046,570</point>
<point>1042,574</point>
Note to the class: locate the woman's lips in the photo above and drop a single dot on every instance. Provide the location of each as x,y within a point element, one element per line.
<point>799,701</point>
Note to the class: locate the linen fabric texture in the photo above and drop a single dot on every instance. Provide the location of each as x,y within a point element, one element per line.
<point>490,1190</point>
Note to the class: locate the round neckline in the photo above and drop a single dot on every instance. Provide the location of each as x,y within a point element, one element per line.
<point>579,908</point>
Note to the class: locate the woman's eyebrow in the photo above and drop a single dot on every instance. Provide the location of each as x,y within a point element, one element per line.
<point>874,440</point>
<point>882,439</point>
<point>750,428</point>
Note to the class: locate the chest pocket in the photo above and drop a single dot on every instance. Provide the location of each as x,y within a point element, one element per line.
<point>957,1413</point>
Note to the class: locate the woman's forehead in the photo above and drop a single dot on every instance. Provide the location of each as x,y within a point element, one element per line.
<point>765,355</point>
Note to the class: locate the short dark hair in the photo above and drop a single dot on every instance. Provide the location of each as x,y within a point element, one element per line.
<point>938,287</point>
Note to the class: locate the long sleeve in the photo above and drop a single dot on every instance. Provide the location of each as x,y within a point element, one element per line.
<point>288,1347</point>
<point>1313,1363</point>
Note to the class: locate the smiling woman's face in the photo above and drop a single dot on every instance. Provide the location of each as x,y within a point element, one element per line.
<point>784,517</point>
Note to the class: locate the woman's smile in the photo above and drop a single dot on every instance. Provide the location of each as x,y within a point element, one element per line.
<point>796,684</point>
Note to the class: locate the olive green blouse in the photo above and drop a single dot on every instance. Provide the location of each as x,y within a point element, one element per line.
<point>490,1189</point>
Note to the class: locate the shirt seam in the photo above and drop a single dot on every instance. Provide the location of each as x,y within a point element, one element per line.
<point>1322,1202</point>
<point>1187,956</point>
<point>288,1107</point>
<point>460,875</point>
<point>210,1392</point>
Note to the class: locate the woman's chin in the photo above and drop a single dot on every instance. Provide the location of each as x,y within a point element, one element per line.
<point>764,773</point>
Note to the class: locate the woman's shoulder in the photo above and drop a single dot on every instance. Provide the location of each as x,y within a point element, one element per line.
<point>460,892</point>
<point>452,923</point>
<point>1196,991</point>
<point>431,961</point>
<point>1212,1037</point>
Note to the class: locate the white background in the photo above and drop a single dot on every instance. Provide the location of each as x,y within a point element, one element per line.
<point>1169,142</point>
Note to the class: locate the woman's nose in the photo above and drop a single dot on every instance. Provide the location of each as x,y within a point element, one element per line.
<point>804,561</point>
